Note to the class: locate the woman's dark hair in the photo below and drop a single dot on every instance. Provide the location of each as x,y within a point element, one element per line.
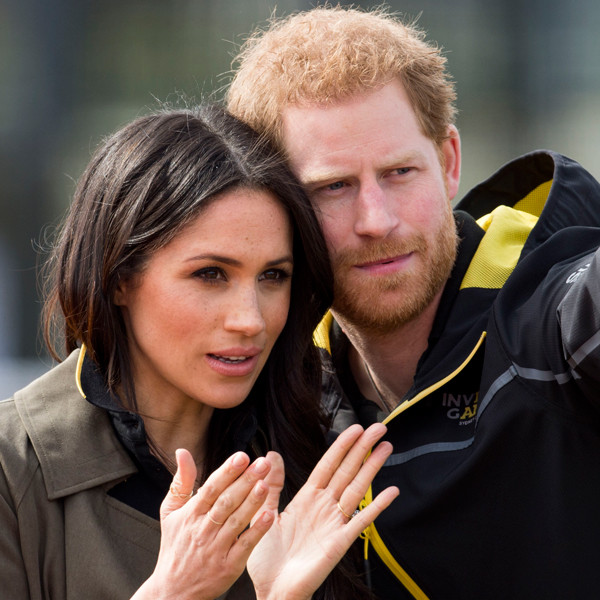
<point>143,185</point>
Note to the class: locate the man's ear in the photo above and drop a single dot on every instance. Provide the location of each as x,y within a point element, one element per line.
<point>452,160</point>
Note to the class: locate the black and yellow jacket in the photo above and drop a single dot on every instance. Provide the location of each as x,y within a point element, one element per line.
<point>497,444</point>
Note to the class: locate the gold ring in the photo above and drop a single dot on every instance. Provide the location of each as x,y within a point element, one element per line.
<point>178,494</point>
<point>344,512</point>
<point>215,522</point>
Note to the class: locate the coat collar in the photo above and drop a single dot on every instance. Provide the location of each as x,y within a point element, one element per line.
<point>74,441</point>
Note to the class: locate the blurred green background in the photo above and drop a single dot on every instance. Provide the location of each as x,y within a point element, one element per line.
<point>71,71</point>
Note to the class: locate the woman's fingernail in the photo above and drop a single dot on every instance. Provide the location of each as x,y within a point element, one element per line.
<point>238,460</point>
<point>260,466</point>
<point>267,516</point>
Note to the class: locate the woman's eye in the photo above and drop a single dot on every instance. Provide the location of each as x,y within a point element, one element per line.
<point>210,274</point>
<point>338,185</point>
<point>275,275</point>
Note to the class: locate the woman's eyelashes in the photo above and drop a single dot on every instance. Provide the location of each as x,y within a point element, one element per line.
<point>210,274</point>
<point>215,275</point>
<point>275,275</point>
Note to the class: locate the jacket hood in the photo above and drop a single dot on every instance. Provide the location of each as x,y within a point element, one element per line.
<point>544,184</point>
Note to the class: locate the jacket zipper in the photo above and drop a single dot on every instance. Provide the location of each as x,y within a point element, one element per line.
<point>370,534</point>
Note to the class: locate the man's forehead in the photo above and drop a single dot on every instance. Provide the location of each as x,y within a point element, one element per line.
<point>325,143</point>
<point>299,114</point>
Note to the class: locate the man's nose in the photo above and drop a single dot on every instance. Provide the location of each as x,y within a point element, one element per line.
<point>375,212</point>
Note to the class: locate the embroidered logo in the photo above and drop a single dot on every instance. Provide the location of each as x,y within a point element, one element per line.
<point>461,407</point>
<point>575,276</point>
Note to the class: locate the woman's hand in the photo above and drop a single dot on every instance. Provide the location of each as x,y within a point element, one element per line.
<point>316,529</point>
<point>205,542</point>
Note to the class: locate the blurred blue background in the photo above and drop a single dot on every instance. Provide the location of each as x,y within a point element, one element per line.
<point>71,71</point>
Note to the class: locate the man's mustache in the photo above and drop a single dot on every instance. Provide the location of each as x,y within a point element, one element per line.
<point>380,251</point>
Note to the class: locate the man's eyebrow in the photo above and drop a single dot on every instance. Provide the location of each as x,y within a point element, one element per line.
<point>321,177</point>
<point>318,177</point>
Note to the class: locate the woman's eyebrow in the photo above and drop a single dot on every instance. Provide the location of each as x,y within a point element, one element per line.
<point>228,260</point>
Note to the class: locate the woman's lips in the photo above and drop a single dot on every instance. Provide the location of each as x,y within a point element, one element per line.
<point>234,363</point>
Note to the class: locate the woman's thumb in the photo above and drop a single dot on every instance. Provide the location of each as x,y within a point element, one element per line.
<point>182,487</point>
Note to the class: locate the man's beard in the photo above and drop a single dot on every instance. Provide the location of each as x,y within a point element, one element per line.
<point>382,304</point>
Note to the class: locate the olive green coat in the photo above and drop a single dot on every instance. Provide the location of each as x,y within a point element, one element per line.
<point>62,537</point>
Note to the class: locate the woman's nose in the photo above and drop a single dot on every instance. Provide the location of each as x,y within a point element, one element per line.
<point>244,314</point>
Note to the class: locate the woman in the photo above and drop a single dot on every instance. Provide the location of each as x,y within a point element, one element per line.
<point>185,284</point>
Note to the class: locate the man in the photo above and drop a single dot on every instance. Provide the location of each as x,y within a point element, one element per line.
<point>477,342</point>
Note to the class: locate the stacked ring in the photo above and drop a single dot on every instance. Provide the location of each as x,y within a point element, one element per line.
<point>213,520</point>
<point>175,491</point>
<point>345,513</point>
